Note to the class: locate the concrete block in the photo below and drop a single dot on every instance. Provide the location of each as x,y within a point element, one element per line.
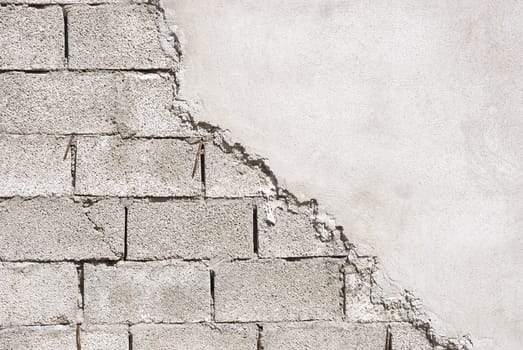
<point>190,229</point>
<point>131,292</point>
<point>88,103</point>
<point>277,290</point>
<point>360,308</point>
<point>228,176</point>
<point>341,336</point>
<point>60,229</point>
<point>31,38</point>
<point>289,232</point>
<point>323,335</point>
<point>115,167</point>
<point>41,338</point>
<point>117,37</point>
<point>33,165</point>
<point>36,294</point>
<point>194,337</point>
<point>104,337</point>
<point>70,2</point>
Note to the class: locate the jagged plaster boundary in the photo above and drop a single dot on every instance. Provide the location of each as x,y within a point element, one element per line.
<point>404,302</point>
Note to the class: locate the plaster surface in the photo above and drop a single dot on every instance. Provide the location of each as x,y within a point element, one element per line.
<point>403,118</point>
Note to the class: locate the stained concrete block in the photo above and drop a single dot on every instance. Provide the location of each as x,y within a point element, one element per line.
<point>88,103</point>
<point>117,37</point>
<point>226,175</point>
<point>31,38</point>
<point>130,292</point>
<point>360,308</point>
<point>33,165</point>
<point>104,337</point>
<point>60,229</point>
<point>190,230</point>
<point>285,232</point>
<point>153,167</point>
<point>34,294</point>
<point>194,337</point>
<point>277,290</point>
<point>323,335</point>
<point>41,338</point>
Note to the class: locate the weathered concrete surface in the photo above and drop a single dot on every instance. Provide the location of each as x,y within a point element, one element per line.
<point>403,118</point>
<point>131,292</point>
<point>98,337</point>
<point>48,229</point>
<point>278,290</point>
<point>340,336</point>
<point>41,338</point>
<point>190,230</point>
<point>116,37</point>
<point>31,38</point>
<point>33,165</point>
<point>38,294</point>
<point>194,337</point>
<point>115,167</point>
<point>88,103</point>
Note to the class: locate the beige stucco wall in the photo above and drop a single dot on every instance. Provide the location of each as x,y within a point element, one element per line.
<point>403,118</point>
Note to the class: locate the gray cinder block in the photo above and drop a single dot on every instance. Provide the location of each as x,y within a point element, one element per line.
<point>33,165</point>
<point>190,229</point>
<point>117,37</point>
<point>36,294</point>
<point>277,290</point>
<point>41,338</point>
<point>194,337</point>
<point>57,228</point>
<point>131,292</point>
<point>147,167</point>
<point>31,38</point>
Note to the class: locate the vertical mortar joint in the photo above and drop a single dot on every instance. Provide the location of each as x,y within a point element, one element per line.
<point>125,232</point>
<point>259,342</point>
<point>255,240</point>
<point>212,282</point>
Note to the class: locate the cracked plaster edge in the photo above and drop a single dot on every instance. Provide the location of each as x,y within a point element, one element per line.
<point>323,222</point>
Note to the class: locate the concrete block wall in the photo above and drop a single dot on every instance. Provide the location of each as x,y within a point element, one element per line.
<point>126,225</point>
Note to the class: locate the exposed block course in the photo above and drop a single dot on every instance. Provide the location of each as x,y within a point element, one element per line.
<point>98,337</point>
<point>190,229</point>
<point>148,167</point>
<point>117,37</point>
<point>38,294</point>
<point>131,292</point>
<point>31,38</point>
<point>278,290</point>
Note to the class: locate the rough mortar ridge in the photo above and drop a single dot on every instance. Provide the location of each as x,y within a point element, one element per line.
<point>126,224</point>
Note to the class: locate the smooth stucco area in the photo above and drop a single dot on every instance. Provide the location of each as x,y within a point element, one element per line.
<point>403,118</point>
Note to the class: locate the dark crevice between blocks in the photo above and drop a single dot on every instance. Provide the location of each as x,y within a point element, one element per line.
<point>344,294</point>
<point>125,229</point>
<point>80,271</point>
<point>66,35</point>
<point>212,276</point>
<point>388,338</point>
<point>202,167</point>
<point>130,339</point>
<point>255,242</point>
<point>78,339</point>
<point>260,337</point>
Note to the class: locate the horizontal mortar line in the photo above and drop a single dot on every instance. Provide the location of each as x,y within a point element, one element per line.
<point>152,199</point>
<point>181,323</point>
<point>186,138</point>
<point>89,70</point>
<point>59,3</point>
<point>110,262</point>
<point>298,258</point>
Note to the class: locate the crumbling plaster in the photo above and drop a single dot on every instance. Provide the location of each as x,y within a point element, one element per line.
<point>403,118</point>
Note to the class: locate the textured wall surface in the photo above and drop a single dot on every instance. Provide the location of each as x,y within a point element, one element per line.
<point>402,117</point>
<point>126,225</point>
